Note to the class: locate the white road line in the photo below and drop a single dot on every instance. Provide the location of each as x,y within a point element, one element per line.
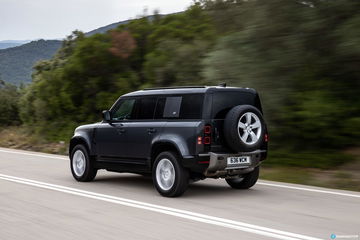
<point>308,189</point>
<point>330,191</point>
<point>34,154</point>
<point>241,226</point>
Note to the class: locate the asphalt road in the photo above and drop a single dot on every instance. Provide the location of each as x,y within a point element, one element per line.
<point>39,199</point>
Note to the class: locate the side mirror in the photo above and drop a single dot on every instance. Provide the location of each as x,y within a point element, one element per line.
<point>106,115</point>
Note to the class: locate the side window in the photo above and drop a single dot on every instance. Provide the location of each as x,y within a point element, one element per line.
<point>159,111</point>
<point>124,110</point>
<point>144,108</point>
<point>188,106</point>
<point>172,107</point>
<point>191,106</point>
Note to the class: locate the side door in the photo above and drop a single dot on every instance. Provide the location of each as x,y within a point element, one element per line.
<point>111,137</point>
<point>143,130</point>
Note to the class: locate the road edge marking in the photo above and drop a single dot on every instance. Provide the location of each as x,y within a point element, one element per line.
<point>46,155</point>
<point>308,189</point>
<point>237,225</point>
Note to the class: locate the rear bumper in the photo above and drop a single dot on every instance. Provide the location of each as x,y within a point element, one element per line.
<point>218,166</point>
<point>215,164</point>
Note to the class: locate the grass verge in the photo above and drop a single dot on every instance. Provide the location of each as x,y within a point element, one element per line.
<point>340,178</point>
<point>21,138</point>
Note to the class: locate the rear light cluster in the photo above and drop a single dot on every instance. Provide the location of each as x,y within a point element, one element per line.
<point>206,140</point>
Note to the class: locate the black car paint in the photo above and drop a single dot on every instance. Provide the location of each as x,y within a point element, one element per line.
<point>129,145</point>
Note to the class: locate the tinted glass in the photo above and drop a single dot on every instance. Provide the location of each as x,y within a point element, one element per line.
<point>172,107</point>
<point>224,101</point>
<point>159,111</point>
<point>180,107</point>
<point>144,108</point>
<point>191,106</point>
<point>123,110</point>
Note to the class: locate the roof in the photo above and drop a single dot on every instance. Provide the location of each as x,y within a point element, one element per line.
<point>184,90</point>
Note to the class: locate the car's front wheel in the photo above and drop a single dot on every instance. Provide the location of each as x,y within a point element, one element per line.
<point>245,181</point>
<point>82,168</point>
<point>169,177</point>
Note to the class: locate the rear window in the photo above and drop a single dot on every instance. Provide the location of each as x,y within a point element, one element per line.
<point>224,101</point>
<point>187,106</point>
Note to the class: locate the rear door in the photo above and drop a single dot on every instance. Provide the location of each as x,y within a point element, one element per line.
<point>127,140</point>
<point>142,130</point>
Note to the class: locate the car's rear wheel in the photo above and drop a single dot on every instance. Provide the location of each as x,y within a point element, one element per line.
<point>169,177</point>
<point>245,181</point>
<point>82,168</point>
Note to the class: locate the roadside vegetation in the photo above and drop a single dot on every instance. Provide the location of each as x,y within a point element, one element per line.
<point>20,137</point>
<point>302,56</point>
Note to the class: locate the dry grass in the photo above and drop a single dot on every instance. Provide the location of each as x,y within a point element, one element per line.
<point>21,138</point>
<point>345,177</point>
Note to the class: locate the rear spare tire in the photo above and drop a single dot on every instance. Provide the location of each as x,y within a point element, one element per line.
<point>244,128</point>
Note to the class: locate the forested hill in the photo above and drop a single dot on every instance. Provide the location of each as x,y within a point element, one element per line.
<point>16,63</point>
<point>106,28</point>
<point>12,43</point>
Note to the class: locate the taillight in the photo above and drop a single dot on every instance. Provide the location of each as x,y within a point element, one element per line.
<point>207,129</point>
<point>207,135</point>
<point>266,137</point>
<point>207,140</point>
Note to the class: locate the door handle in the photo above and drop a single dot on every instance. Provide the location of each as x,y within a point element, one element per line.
<point>120,130</point>
<point>151,130</point>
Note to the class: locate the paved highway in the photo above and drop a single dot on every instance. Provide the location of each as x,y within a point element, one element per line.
<point>39,199</point>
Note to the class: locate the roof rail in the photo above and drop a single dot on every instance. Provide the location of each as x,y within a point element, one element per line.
<point>175,87</point>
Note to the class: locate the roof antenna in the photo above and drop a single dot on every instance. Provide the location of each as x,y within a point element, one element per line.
<point>222,84</point>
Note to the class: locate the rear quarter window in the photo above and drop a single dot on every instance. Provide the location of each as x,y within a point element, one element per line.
<point>224,101</point>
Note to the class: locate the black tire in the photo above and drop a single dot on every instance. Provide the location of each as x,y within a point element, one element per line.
<point>246,181</point>
<point>181,178</point>
<point>90,172</point>
<point>232,132</point>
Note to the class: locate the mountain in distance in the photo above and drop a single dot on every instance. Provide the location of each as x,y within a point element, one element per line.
<point>106,28</point>
<point>12,43</point>
<point>16,63</point>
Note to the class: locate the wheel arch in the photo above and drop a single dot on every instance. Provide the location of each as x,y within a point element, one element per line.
<point>78,140</point>
<point>163,146</point>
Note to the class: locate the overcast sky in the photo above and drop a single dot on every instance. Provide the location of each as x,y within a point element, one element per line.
<point>52,19</point>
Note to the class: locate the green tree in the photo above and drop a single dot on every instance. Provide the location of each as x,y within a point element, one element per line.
<point>299,56</point>
<point>9,96</point>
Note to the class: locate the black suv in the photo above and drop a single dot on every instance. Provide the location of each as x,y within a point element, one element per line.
<point>177,135</point>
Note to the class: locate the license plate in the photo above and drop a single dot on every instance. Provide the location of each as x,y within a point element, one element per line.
<point>243,160</point>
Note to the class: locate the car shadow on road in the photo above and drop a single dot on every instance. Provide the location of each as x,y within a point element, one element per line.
<point>128,180</point>
<point>200,188</point>
<point>203,188</point>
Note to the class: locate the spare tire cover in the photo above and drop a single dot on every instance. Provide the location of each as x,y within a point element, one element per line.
<point>244,128</point>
